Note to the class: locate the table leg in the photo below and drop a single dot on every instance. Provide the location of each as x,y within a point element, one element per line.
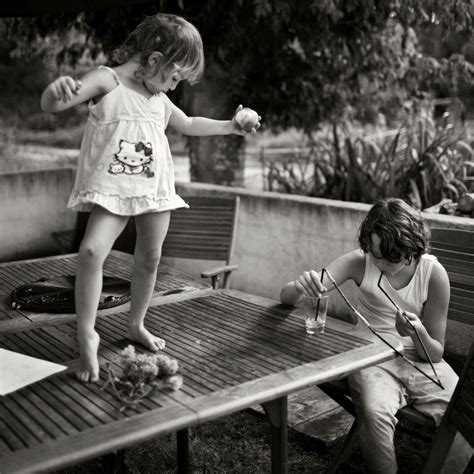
<point>114,462</point>
<point>277,412</point>
<point>182,449</point>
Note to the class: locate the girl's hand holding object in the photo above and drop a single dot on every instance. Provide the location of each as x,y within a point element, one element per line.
<point>65,87</point>
<point>247,119</point>
<point>406,323</point>
<point>310,284</point>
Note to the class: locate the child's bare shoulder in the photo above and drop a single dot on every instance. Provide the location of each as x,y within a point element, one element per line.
<point>439,273</point>
<point>356,257</point>
<point>357,265</point>
<point>101,80</point>
<point>351,265</point>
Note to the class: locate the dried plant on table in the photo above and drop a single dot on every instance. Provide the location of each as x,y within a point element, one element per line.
<point>139,375</point>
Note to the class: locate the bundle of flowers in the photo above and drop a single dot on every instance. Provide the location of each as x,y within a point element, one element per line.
<point>141,374</point>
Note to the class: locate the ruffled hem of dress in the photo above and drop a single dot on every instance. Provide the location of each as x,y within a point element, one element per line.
<point>84,201</point>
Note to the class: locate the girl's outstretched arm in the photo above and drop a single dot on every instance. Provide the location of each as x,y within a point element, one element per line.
<point>202,126</point>
<point>66,92</point>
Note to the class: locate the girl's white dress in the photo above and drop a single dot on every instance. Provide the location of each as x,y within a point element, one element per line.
<point>125,162</point>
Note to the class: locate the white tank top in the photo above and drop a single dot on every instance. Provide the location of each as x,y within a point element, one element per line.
<point>378,309</point>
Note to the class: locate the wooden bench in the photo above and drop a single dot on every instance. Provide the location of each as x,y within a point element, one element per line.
<point>205,231</point>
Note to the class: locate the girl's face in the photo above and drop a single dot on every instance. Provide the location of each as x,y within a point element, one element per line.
<point>156,80</point>
<point>163,82</point>
<point>389,268</point>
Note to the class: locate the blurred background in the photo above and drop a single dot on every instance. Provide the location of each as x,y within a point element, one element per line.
<point>359,99</point>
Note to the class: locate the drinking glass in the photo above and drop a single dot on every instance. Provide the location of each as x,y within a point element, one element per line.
<point>315,310</point>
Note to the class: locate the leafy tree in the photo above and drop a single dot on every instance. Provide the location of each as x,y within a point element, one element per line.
<point>297,62</point>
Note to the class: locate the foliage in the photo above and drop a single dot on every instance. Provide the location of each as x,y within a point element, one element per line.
<point>141,374</point>
<point>297,63</point>
<point>420,162</point>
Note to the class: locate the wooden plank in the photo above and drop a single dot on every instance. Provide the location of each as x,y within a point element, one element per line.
<point>198,367</point>
<point>461,316</point>
<point>55,424</point>
<point>19,424</point>
<point>451,238</point>
<point>276,385</point>
<point>232,349</point>
<point>53,455</point>
<point>455,250</point>
<point>235,333</point>
<point>461,257</point>
<point>285,321</point>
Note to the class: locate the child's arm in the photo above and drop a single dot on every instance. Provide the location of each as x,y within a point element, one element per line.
<point>66,92</point>
<point>201,126</point>
<point>350,266</point>
<point>433,328</point>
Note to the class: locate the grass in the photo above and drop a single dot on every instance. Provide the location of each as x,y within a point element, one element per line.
<point>240,443</point>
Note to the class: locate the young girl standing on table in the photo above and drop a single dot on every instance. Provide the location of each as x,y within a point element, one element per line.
<point>125,167</point>
<point>392,265</point>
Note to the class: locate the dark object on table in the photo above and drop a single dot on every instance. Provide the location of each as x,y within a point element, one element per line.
<point>56,295</point>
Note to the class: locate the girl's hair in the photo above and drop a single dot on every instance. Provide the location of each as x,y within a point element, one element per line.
<point>400,228</point>
<point>178,41</point>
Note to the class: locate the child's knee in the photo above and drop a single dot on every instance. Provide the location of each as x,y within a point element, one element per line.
<point>377,418</point>
<point>91,252</point>
<point>148,261</point>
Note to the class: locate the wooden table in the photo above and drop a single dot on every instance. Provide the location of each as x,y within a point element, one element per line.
<point>234,349</point>
<point>117,264</point>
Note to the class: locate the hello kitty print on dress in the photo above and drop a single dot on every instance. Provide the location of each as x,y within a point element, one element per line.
<point>132,159</point>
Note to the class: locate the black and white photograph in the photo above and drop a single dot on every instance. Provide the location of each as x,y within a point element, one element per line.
<point>237,236</point>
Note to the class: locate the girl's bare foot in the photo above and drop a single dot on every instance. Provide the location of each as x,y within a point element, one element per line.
<point>88,370</point>
<point>146,338</point>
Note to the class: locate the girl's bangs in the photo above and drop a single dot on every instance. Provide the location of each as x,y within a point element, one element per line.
<point>191,65</point>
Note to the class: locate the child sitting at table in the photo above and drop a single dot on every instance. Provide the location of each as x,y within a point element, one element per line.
<point>393,241</point>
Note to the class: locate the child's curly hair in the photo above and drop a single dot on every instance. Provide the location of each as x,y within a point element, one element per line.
<point>401,229</point>
<point>176,39</point>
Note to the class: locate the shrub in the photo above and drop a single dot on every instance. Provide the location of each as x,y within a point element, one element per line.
<point>421,162</point>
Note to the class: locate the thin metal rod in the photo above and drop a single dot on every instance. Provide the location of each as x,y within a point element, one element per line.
<point>359,315</point>
<point>379,284</point>
<point>323,271</point>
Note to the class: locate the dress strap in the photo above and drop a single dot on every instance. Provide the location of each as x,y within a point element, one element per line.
<point>117,80</point>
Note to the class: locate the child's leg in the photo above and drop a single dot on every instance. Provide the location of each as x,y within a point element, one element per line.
<point>377,397</point>
<point>151,232</point>
<point>102,230</point>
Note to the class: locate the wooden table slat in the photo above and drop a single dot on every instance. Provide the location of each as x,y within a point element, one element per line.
<point>183,346</point>
<point>293,336</point>
<point>343,340</point>
<point>20,424</point>
<point>219,337</point>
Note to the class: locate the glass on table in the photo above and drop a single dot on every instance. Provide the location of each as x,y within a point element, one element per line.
<point>315,310</point>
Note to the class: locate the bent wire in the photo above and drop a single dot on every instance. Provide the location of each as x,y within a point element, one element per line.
<point>366,322</point>
<point>379,284</point>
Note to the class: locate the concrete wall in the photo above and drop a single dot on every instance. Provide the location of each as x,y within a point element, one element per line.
<point>279,236</point>
<point>33,204</point>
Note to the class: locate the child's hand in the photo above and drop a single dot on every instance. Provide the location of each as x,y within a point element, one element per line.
<point>245,121</point>
<point>310,284</point>
<point>64,87</point>
<point>403,326</point>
